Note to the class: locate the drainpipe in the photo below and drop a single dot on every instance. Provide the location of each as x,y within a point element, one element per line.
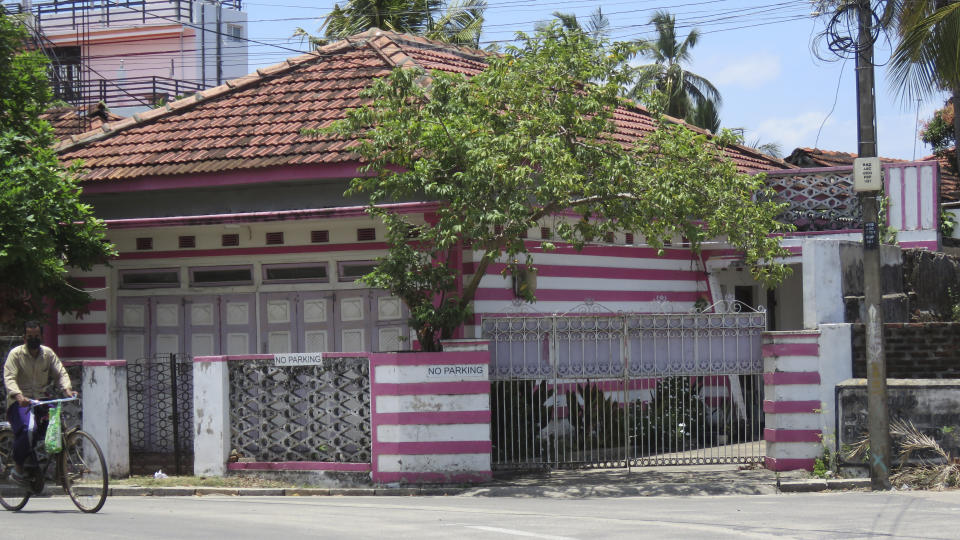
<point>219,43</point>
<point>203,45</point>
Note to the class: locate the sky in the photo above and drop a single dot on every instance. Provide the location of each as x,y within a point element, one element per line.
<point>758,55</point>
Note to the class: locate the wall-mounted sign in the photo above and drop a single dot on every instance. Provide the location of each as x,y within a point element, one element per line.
<point>460,372</point>
<point>298,359</point>
<point>867,174</point>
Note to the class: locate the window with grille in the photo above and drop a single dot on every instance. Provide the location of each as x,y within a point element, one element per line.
<point>187,242</point>
<point>230,240</point>
<point>353,270</point>
<point>290,273</point>
<point>221,275</point>
<point>366,235</point>
<point>319,237</point>
<point>274,238</point>
<point>144,244</point>
<point>149,278</point>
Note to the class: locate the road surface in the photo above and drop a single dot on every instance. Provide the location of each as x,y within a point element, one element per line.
<point>814,515</point>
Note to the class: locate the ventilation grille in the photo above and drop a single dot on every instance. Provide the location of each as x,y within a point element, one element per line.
<point>230,240</point>
<point>319,237</point>
<point>608,238</point>
<point>274,238</point>
<point>629,238</point>
<point>365,235</point>
<point>144,243</point>
<point>187,242</point>
<point>545,233</point>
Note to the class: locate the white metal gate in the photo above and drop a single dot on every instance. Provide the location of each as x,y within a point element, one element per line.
<point>593,388</point>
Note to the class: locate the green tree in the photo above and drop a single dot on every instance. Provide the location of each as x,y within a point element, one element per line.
<point>458,21</point>
<point>926,60</point>
<point>523,142</point>
<point>938,132</point>
<point>44,228</point>
<point>667,74</point>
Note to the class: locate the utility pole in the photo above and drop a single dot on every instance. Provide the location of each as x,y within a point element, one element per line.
<point>878,419</point>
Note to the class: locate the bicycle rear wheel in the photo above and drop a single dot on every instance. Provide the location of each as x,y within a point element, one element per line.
<point>84,471</point>
<point>13,496</point>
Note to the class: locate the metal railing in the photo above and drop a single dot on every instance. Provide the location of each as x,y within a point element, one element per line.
<point>130,92</point>
<point>71,15</point>
<point>160,402</point>
<point>595,389</point>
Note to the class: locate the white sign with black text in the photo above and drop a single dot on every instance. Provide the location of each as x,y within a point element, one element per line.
<point>463,372</point>
<point>298,359</point>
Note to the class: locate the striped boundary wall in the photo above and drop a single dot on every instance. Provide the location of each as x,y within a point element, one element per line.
<point>800,371</point>
<point>791,379</point>
<point>430,417</point>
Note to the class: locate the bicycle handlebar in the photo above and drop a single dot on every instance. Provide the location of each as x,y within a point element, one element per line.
<point>36,403</point>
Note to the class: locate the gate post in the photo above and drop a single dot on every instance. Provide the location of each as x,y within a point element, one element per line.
<point>211,415</point>
<point>105,415</point>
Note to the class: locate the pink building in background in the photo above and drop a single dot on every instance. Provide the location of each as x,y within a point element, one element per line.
<point>134,54</point>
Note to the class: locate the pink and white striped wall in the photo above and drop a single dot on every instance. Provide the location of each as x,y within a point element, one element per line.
<point>792,405</point>
<point>800,373</point>
<point>84,337</point>
<point>431,415</point>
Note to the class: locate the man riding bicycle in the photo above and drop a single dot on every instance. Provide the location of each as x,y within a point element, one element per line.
<point>29,368</point>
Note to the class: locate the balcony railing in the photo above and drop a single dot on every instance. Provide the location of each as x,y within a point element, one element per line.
<point>70,15</point>
<point>130,92</point>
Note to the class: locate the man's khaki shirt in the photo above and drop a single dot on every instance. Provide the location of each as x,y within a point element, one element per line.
<point>25,375</point>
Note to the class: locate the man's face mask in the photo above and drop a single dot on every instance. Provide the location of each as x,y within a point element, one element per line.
<point>33,342</point>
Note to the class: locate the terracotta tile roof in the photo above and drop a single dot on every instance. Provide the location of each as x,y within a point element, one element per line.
<point>255,121</point>
<point>949,181</point>
<point>67,121</point>
<point>817,157</point>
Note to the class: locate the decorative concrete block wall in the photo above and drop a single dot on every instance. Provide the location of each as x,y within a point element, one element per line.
<point>801,370</point>
<point>431,415</point>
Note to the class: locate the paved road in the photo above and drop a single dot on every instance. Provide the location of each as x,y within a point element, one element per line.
<point>824,515</point>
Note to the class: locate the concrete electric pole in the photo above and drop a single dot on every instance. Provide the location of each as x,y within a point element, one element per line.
<point>878,420</point>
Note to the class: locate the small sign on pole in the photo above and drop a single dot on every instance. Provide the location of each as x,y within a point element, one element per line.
<point>867,174</point>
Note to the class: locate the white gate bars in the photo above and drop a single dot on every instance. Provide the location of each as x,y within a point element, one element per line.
<point>600,389</point>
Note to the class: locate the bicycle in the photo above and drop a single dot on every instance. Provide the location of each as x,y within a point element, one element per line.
<point>80,467</point>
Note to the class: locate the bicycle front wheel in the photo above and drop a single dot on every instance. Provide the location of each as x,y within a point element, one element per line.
<point>13,496</point>
<point>84,472</point>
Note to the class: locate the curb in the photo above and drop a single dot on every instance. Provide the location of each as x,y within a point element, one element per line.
<point>137,491</point>
<point>810,486</point>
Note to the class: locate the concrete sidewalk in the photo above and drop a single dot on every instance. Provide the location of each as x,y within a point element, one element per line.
<point>561,484</point>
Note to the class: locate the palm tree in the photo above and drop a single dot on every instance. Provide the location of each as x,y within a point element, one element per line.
<point>683,89</point>
<point>597,27</point>
<point>927,57</point>
<point>706,116</point>
<point>457,21</point>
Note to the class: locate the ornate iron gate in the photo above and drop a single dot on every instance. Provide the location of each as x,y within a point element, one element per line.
<point>602,389</point>
<point>160,398</point>
<point>301,413</point>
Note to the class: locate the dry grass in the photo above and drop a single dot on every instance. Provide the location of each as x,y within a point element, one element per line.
<point>933,467</point>
<point>243,481</point>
